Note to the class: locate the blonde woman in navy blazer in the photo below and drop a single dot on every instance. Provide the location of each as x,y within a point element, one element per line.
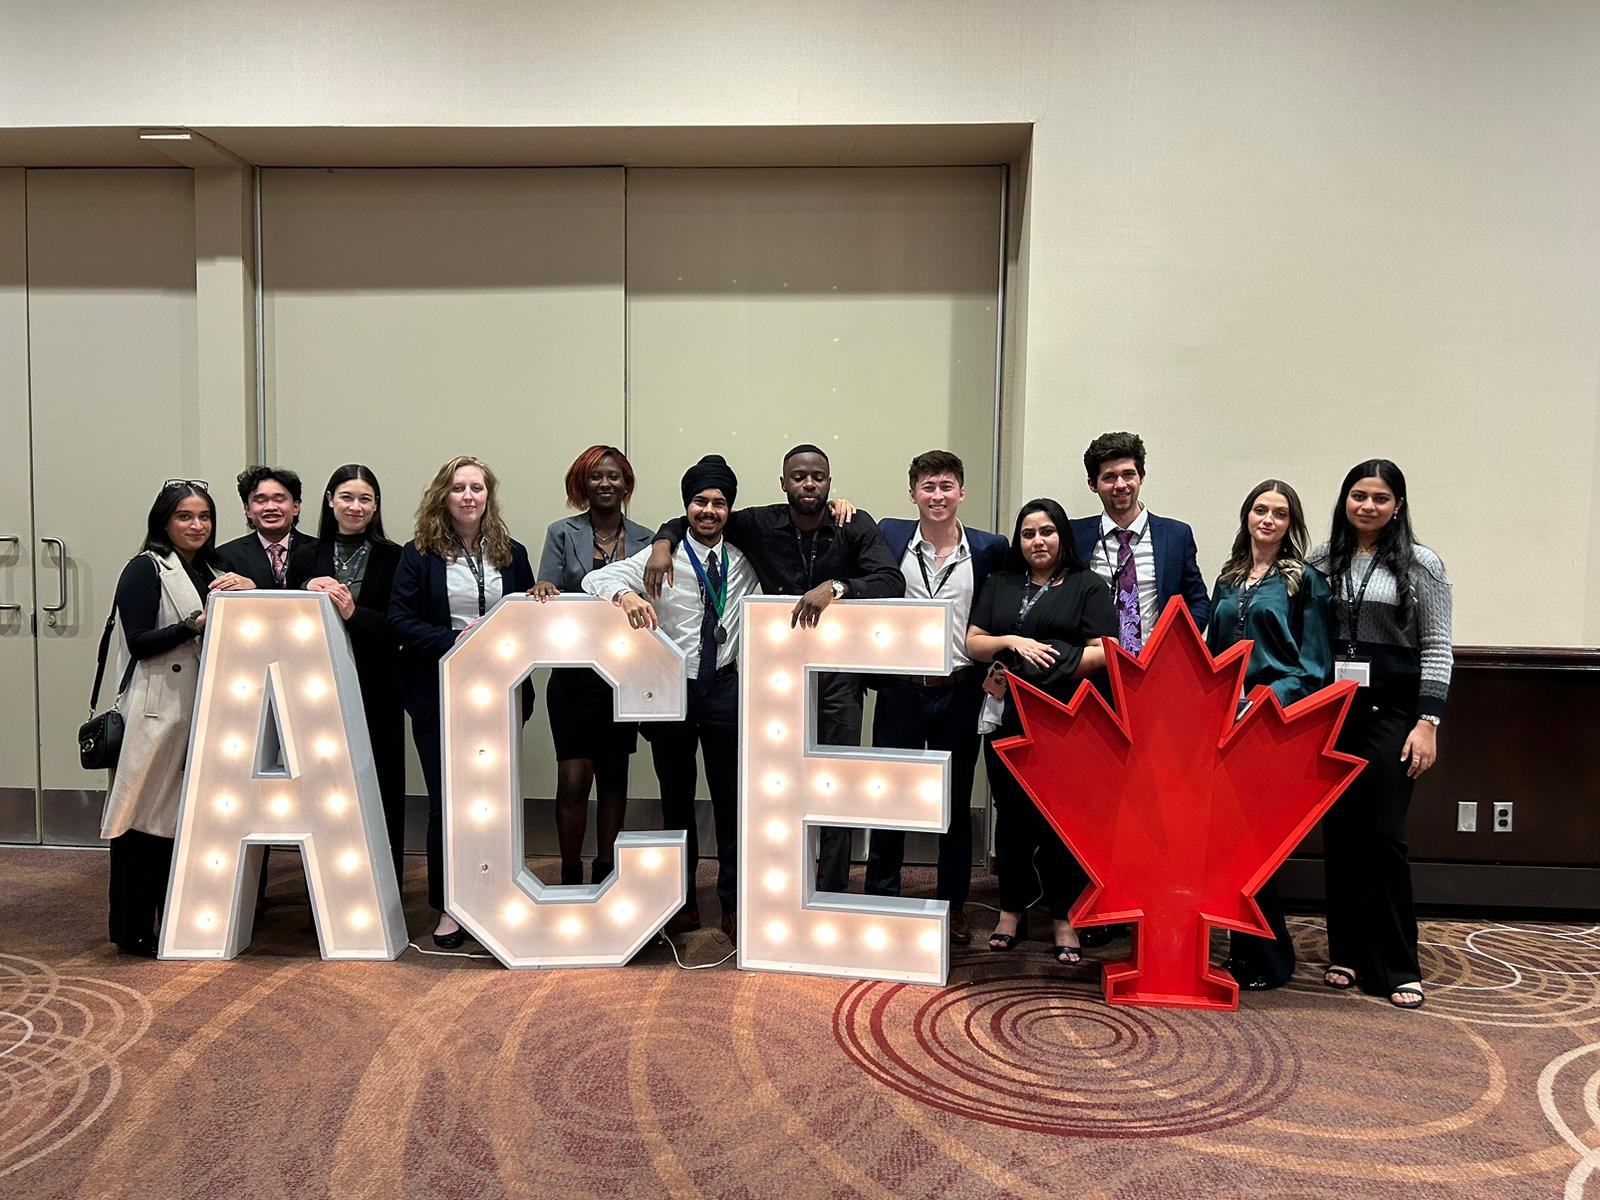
<point>457,567</point>
<point>592,749</point>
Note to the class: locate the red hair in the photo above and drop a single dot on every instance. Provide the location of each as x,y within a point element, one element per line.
<point>578,474</point>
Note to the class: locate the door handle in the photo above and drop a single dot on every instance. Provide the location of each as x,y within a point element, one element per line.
<point>61,580</point>
<point>10,539</point>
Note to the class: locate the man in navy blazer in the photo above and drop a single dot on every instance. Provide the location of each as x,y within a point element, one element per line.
<point>1146,559</point>
<point>942,560</point>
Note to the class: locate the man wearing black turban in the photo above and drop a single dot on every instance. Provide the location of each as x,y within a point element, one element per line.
<point>700,612</point>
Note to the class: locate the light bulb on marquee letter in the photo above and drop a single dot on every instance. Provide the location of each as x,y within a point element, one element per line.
<point>518,919</point>
<point>285,758</point>
<point>789,786</point>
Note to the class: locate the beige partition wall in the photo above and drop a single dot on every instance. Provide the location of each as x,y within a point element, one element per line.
<point>19,758</point>
<point>411,316</point>
<point>853,308</point>
<point>111,344</point>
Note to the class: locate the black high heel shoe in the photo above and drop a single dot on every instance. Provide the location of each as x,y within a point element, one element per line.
<point>571,873</point>
<point>600,870</point>
<point>1002,942</point>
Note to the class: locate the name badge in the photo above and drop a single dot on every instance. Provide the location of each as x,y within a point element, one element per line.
<point>1358,669</point>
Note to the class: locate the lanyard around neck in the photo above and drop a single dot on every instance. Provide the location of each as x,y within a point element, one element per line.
<point>718,596</point>
<point>475,565</point>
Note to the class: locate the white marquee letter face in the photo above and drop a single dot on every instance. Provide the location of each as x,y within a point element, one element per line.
<point>521,921</point>
<point>279,753</point>
<point>788,784</point>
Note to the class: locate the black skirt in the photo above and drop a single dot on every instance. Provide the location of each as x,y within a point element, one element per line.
<point>581,723</point>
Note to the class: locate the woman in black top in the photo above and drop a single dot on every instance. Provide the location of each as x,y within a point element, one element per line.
<point>353,562</point>
<point>160,610</point>
<point>1040,619</point>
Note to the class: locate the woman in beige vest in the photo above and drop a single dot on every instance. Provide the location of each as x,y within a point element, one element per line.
<point>160,618</point>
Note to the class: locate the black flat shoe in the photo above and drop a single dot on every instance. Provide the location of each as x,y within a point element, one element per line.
<point>600,870</point>
<point>143,948</point>
<point>571,873</point>
<point>1067,956</point>
<point>1096,936</point>
<point>450,941</point>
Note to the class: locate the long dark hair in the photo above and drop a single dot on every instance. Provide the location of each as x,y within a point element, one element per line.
<point>1396,542</point>
<point>1070,559</point>
<point>1291,559</point>
<point>166,503</point>
<point>328,524</point>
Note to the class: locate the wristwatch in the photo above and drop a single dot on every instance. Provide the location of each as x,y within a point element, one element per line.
<point>1430,719</point>
<point>838,590</point>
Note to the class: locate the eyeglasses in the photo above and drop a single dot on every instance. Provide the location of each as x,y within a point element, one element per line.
<point>199,483</point>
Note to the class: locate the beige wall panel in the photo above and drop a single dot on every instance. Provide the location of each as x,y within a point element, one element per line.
<point>19,762</point>
<point>414,315</point>
<point>1272,237</point>
<point>111,312</point>
<point>851,308</point>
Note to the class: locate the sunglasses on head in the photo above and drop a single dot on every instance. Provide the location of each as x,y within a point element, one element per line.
<point>199,483</point>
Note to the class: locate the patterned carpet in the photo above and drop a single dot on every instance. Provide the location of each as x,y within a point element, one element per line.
<point>277,1075</point>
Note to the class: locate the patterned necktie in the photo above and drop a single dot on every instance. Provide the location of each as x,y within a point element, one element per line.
<point>275,553</point>
<point>1128,622</point>
<point>707,673</point>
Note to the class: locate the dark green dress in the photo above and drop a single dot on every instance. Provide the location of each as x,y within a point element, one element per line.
<point>1294,657</point>
<point>1293,654</point>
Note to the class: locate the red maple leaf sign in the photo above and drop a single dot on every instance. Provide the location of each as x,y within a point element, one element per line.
<point>1178,812</point>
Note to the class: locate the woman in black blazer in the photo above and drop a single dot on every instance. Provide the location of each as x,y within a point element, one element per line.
<point>1041,619</point>
<point>354,563</point>
<point>457,567</point>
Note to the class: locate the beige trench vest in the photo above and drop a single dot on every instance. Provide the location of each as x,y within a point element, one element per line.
<point>157,710</point>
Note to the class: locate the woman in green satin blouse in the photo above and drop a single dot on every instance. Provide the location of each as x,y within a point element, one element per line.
<point>1268,595</point>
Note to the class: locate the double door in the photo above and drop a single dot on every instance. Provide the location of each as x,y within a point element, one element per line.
<point>98,406</point>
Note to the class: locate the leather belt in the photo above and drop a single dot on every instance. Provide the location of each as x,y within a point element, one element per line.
<point>959,675</point>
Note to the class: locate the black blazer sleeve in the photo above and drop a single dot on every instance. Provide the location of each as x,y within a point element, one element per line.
<point>411,610</point>
<point>371,617</point>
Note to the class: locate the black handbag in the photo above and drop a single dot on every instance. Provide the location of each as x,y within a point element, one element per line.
<point>100,738</point>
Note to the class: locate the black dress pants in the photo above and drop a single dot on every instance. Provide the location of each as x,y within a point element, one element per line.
<point>713,726</point>
<point>839,709</point>
<point>910,716</point>
<point>140,864</point>
<point>425,736</point>
<point>1372,924</point>
<point>1023,839</point>
<point>1271,958</point>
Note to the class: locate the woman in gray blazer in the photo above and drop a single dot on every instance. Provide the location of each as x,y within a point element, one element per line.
<point>592,748</point>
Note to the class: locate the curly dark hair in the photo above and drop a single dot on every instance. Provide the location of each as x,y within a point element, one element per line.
<point>1109,447</point>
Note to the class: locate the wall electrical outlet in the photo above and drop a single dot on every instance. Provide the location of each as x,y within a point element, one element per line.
<point>1502,816</point>
<point>1467,816</point>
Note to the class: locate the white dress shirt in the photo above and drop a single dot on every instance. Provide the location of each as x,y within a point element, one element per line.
<point>1104,564</point>
<point>461,585</point>
<point>681,605</point>
<point>952,580</point>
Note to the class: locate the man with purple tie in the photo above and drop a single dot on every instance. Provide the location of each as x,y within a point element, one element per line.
<point>1146,559</point>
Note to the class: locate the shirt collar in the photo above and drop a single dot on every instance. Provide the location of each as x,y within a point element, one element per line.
<point>699,549</point>
<point>962,548</point>
<point>267,545</point>
<point>1137,528</point>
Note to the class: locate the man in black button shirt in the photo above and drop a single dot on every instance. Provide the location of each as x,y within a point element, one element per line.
<point>798,549</point>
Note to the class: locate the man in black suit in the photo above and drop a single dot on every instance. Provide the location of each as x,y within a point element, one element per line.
<point>271,498</point>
